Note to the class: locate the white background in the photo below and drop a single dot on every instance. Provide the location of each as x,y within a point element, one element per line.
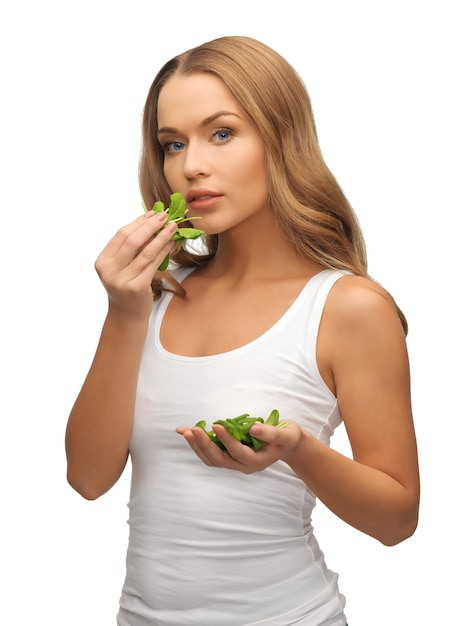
<point>74,75</point>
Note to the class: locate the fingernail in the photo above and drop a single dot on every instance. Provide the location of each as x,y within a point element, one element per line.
<point>162,216</point>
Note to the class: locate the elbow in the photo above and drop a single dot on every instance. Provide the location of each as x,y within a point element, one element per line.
<point>92,480</point>
<point>400,530</point>
<point>400,535</point>
<point>85,488</point>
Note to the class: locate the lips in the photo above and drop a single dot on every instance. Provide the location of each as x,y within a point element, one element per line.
<point>201,199</point>
<point>199,194</point>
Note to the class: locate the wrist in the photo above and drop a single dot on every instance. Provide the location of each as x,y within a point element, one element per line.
<point>130,320</point>
<point>299,451</point>
<point>133,310</point>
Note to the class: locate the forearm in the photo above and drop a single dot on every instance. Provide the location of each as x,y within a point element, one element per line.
<point>100,423</point>
<point>365,497</point>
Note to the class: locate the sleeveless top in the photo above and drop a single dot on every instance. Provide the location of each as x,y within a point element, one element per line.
<point>216,547</point>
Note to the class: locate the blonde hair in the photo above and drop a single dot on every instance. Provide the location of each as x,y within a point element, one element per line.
<point>306,198</point>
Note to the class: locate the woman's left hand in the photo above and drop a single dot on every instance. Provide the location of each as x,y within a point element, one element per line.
<point>280,443</point>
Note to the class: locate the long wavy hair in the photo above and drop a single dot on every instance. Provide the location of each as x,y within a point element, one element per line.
<point>305,196</point>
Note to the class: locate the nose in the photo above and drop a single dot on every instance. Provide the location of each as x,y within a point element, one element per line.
<point>196,163</point>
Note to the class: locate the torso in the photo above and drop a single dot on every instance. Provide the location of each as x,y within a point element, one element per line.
<point>216,317</point>
<point>214,522</point>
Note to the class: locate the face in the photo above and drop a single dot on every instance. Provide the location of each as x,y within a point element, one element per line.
<point>213,154</point>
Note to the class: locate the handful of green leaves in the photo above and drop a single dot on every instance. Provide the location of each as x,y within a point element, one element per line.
<point>176,212</point>
<point>239,427</point>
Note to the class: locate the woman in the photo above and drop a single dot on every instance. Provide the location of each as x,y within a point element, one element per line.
<point>276,312</point>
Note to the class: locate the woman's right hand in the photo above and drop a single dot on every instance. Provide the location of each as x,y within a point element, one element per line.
<point>128,263</point>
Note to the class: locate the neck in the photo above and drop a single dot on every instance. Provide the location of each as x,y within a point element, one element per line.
<point>261,252</point>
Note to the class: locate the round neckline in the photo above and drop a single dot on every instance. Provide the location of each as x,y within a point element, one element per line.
<point>184,272</point>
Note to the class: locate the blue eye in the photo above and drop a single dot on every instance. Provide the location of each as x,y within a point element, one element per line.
<point>173,146</point>
<point>222,135</point>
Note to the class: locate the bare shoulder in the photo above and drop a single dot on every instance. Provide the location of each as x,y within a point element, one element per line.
<point>356,303</point>
<point>360,330</point>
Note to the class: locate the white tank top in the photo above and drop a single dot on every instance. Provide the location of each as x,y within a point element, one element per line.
<point>215,547</point>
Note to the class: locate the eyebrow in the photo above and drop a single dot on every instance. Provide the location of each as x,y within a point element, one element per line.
<point>205,121</point>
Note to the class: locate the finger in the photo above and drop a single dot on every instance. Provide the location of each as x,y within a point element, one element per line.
<point>208,451</point>
<point>199,442</point>
<point>155,250</point>
<point>140,254</point>
<point>135,236</point>
<point>142,269</point>
<point>282,437</point>
<point>244,455</point>
<point>144,227</point>
<point>266,432</point>
<point>190,438</point>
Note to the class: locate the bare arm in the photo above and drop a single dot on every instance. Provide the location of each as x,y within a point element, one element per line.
<point>362,356</point>
<point>362,350</point>
<point>100,423</point>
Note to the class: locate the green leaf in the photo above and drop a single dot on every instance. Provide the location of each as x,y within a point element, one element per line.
<point>187,233</point>
<point>158,206</point>
<point>164,264</point>
<point>176,213</point>
<point>273,418</point>
<point>239,427</point>
<point>256,444</point>
<point>177,206</point>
